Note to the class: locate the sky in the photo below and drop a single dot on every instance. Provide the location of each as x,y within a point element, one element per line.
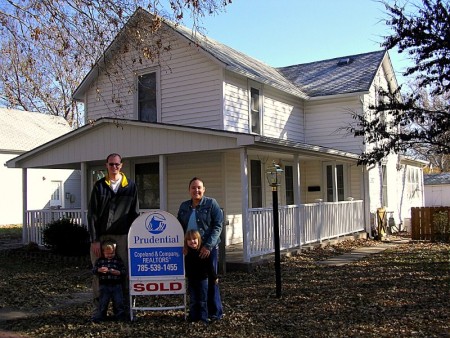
<point>288,32</point>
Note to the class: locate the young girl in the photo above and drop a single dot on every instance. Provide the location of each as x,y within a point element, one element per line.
<point>198,272</point>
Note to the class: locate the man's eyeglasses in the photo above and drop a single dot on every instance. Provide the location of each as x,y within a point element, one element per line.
<point>114,164</point>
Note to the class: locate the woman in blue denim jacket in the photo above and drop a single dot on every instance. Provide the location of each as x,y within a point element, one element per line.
<point>203,214</point>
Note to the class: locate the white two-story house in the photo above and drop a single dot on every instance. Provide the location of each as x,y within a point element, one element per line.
<point>200,108</point>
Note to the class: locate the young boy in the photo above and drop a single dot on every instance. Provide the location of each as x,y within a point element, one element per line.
<point>198,272</point>
<point>110,270</point>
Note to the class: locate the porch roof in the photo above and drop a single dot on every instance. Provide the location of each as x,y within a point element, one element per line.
<point>134,139</point>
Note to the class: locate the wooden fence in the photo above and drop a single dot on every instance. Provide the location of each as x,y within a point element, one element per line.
<point>430,223</point>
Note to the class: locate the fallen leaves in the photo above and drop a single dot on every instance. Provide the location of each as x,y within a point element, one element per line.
<point>400,292</point>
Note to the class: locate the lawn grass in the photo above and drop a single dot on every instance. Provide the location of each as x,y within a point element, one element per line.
<point>11,231</point>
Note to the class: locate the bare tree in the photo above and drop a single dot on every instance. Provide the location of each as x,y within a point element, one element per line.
<point>47,46</point>
<point>438,161</point>
<point>423,32</point>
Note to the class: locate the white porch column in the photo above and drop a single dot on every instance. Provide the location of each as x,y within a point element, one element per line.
<point>163,182</point>
<point>25,238</point>
<point>297,200</point>
<point>85,194</point>
<point>244,198</point>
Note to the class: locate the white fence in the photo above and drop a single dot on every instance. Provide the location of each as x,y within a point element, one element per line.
<point>307,223</point>
<point>299,225</point>
<point>38,219</point>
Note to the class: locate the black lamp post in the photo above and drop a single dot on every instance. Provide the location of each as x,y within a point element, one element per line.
<point>274,178</point>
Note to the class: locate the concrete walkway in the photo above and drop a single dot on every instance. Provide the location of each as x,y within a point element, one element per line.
<point>360,253</point>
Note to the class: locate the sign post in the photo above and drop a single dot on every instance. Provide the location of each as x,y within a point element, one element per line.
<point>156,262</point>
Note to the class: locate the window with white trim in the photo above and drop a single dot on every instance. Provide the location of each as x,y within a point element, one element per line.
<point>56,197</point>
<point>336,181</point>
<point>256,183</point>
<point>147,97</point>
<point>289,184</point>
<point>255,110</point>
<point>147,183</point>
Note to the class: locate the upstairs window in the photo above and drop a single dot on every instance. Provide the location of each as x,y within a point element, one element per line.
<point>147,97</point>
<point>255,111</point>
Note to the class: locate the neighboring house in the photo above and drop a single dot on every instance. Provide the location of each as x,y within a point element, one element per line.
<point>204,109</point>
<point>437,190</point>
<point>21,131</point>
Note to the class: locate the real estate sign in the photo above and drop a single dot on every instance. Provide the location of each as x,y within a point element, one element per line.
<point>156,263</point>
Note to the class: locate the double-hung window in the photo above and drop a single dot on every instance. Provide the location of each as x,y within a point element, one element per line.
<point>148,97</point>
<point>255,111</point>
<point>335,178</point>
<point>147,182</point>
<point>289,182</point>
<point>256,183</point>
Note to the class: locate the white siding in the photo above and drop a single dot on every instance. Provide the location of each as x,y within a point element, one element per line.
<point>311,175</point>
<point>190,87</point>
<point>326,121</point>
<point>282,113</point>
<point>236,105</point>
<point>182,168</point>
<point>437,195</point>
<point>39,190</point>
<point>233,193</point>
<point>283,116</point>
<point>410,191</point>
<point>355,174</point>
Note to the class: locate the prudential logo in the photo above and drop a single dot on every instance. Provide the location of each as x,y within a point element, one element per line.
<point>155,223</point>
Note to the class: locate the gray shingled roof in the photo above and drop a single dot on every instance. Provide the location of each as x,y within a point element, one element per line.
<point>303,80</point>
<point>435,179</point>
<point>343,75</point>
<point>241,63</point>
<point>23,130</point>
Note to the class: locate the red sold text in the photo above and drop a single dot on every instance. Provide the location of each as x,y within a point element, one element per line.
<point>144,287</point>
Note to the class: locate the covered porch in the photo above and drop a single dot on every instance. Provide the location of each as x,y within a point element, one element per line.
<point>232,164</point>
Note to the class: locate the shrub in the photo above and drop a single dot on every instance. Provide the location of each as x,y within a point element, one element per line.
<point>67,238</point>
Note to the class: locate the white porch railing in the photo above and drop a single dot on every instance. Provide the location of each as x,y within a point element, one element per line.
<point>307,223</point>
<point>38,219</point>
<point>299,225</point>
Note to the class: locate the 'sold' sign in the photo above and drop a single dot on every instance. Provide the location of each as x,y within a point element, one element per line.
<point>155,243</point>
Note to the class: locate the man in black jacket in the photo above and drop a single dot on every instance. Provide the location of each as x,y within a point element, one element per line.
<point>112,209</point>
